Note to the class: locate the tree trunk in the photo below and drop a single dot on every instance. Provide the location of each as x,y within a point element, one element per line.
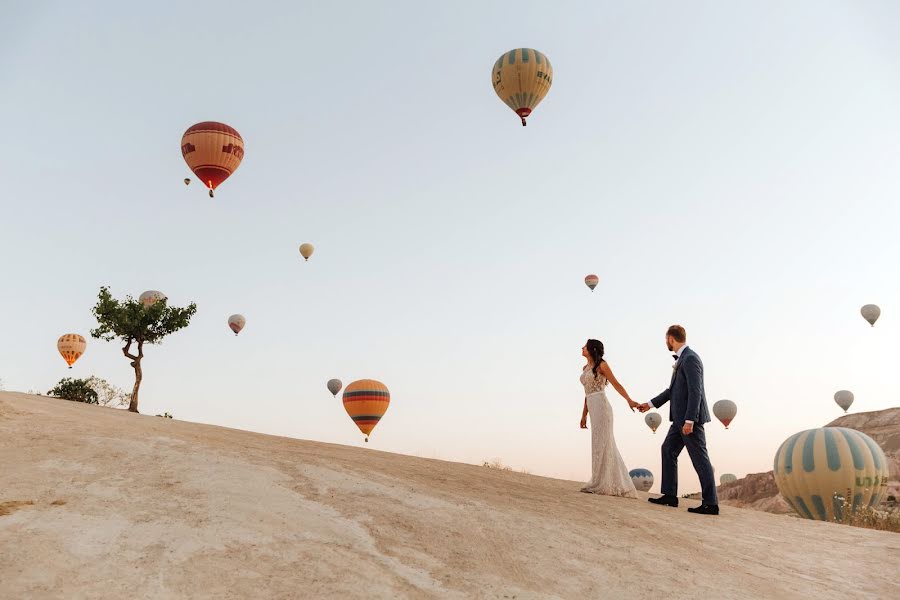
<point>138,375</point>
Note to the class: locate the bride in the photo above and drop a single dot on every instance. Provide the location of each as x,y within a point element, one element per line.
<point>609,476</point>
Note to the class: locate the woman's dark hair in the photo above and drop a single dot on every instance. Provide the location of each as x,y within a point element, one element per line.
<point>595,349</point>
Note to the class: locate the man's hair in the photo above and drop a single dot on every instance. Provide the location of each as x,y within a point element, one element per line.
<point>677,332</point>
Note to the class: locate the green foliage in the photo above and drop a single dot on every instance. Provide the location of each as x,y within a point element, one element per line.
<point>130,321</point>
<point>77,390</point>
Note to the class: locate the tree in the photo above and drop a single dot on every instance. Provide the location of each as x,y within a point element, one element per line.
<point>133,323</point>
<point>77,390</point>
<point>107,393</point>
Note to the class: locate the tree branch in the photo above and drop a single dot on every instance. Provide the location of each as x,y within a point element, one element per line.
<point>126,352</point>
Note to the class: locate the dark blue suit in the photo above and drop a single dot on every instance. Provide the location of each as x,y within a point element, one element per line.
<point>687,402</point>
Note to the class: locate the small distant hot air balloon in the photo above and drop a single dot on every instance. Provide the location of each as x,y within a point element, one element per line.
<point>187,181</point>
<point>213,151</point>
<point>71,346</point>
<point>306,250</point>
<point>822,472</point>
<point>870,312</point>
<point>366,401</point>
<point>591,281</point>
<point>151,297</point>
<point>521,78</point>
<point>725,410</point>
<point>236,322</point>
<point>844,399</point>
<point>727,478</point>
<point>653,420</point>
<point>642,479</point>
<point>334,386</point>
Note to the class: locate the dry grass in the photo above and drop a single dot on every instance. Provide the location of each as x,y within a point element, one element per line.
<point>11,506</point>
<point>871,518</point>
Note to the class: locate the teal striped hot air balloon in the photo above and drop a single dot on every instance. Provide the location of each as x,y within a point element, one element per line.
<point>642,479</point>
<point>817,469</point>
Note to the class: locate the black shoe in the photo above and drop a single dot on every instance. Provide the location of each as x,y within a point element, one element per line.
<point>705,509</point>
<point>667,500</point>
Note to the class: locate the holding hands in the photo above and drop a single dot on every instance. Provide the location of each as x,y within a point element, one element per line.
<point>644,407</point>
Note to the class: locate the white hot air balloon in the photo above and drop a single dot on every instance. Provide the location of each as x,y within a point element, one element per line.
<point>725,410</point>
<point>653,420</point>
<point>334,386</point>
<point>844,399</point>
<point>236,322</point>
<point>306,250</point>
<point>151,297</point>
<point>727,478</point>
<point>642,479</point>
<point>870,312</point>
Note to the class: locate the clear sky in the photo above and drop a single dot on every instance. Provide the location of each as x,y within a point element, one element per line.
<point>732,167</point>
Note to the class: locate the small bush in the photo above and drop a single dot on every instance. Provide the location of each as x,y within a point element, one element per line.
<point>869,518</point>
<point>496,464</point>
<point>77,390</point>
<point>165,416</point>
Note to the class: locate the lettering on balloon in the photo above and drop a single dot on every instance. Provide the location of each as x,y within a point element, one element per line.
<point>544,76</point>
<point>238,151</point>
<point>187,148</point>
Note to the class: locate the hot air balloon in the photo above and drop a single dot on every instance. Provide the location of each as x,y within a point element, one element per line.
<point>642,479</point>
<point>213,151</point>
<point>187,181</point>
<point>844,399</point>
<point>653,420</point>
<point>591,281</point>
<point>334,386</point>
<point>151,297</point>
<point>870,313</point>
<point>725,410</point>
<point>71,346</point>
<point>306,250</point>
<point>822,471</point>
<point>236,322</point>
<point>521,78</point>
<point>366,401</point>
<point>727,478</point>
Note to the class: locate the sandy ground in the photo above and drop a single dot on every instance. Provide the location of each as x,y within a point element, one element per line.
<point>100,503</point>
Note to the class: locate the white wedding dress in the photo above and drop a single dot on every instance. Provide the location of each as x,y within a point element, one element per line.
<point>609,476</point>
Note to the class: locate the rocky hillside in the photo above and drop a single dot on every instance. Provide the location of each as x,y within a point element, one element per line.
<point>759,492</point>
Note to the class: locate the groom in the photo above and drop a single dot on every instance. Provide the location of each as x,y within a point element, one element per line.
<point>688,413</point>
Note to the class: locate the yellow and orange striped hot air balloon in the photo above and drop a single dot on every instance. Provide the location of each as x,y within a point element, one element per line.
<point>366,401</point>
<point>71,346</point>
<point>521,78</point>
<point>213,151</point>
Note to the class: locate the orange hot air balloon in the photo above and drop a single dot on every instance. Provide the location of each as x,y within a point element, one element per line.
<point>366,401</point>
<point>213,151</point>
<point>71,346</point>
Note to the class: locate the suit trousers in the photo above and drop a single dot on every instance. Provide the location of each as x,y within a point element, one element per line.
<point>695,443</point>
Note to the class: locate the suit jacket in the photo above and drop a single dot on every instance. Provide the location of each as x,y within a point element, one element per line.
<point>686,394</point>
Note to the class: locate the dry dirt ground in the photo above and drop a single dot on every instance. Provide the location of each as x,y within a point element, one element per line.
<point>100,503</point>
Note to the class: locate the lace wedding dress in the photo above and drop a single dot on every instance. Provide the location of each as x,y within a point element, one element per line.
<point>609,476</point>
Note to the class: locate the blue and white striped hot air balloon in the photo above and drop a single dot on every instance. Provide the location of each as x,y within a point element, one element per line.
<point>819,471</point>
<point>642,479</point>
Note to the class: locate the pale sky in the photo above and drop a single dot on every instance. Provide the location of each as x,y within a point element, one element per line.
<point>732,167</point>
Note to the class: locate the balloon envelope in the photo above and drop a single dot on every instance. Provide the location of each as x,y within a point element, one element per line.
<point>236,323</point>
<point>213,151</point>
<point>822,471</point>
<point>71,346</point>
<point>725,410</point>
<point>653,420</point>
<point>642,479</point>
<point>844,399</point>
<point>334,386</point>
<point>366,401</point>
<point>521,79</point>
<point>306,250</point>
<point>727,478</point>
<point>591,281</point>
<point>870,313</point>
<point>151,297</point>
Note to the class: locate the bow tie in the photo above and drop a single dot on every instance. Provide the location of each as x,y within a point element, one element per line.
<point>675,356</point>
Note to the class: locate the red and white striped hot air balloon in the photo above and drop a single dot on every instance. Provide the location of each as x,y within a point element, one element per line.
<point>591,281</point>
<point>213,151</point>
